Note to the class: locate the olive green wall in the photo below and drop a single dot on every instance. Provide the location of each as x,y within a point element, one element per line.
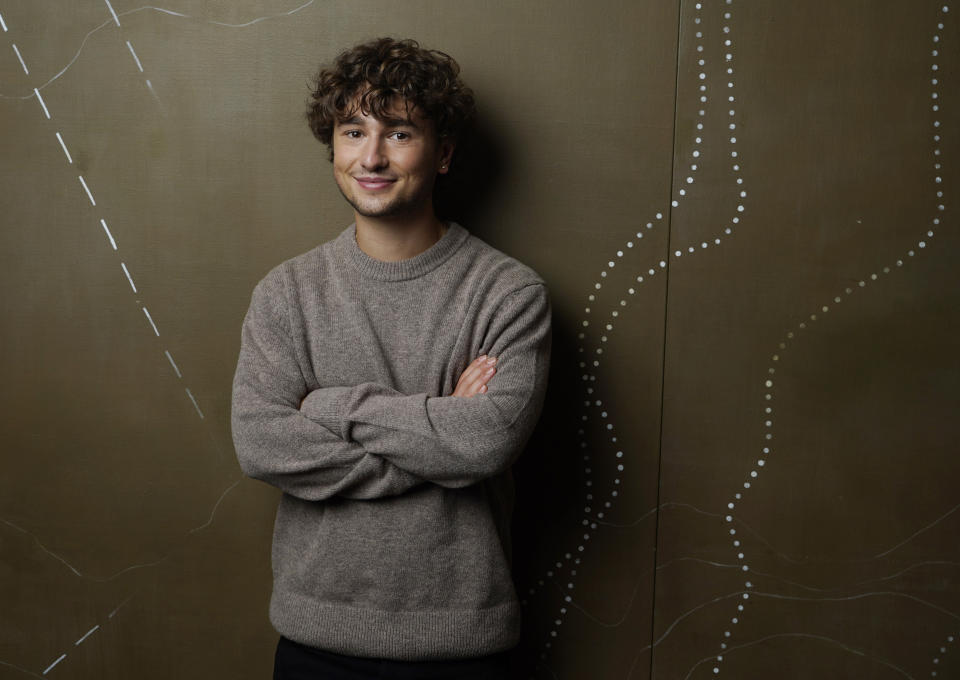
<point>747,466</point>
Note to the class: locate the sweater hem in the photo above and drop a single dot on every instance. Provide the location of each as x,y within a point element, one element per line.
<point>400,635</point>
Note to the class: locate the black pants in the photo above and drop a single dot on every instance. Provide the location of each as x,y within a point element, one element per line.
<point>294,661</point>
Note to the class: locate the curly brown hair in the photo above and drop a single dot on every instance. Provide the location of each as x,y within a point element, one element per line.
<point>373,75</point>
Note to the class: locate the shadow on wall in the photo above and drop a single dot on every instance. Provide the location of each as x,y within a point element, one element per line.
<point>549,485</point>
<point>477,173</point>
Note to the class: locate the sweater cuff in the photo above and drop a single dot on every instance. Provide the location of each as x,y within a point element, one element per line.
<point>326,406</point>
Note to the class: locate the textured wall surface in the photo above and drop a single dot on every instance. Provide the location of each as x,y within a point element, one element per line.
<point>747,465</point>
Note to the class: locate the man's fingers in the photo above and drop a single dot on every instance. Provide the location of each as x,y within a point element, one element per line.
<point>475,377</point>
<point>470,372</point>
<point>481,370</point>
<point>471,382</point>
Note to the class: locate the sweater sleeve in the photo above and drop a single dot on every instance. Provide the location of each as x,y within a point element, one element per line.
<point>455,441</point>
<point>274,441</point>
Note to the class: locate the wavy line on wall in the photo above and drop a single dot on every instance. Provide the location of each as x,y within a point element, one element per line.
<point>592,519</point>
<point>653,512</point>
<point>160,10</point>
<point>721,565</point>
<point>857,560</point>
<point>24,671</point>
<point>792,335</point>
<point>743,595</point>
<point>811,636</point>
<point>686,506</point>
<point>768,543</point>
<point>112,577</point>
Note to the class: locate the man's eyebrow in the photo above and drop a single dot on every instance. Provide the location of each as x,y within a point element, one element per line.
<point>390,121</point>
<point>399,122</point>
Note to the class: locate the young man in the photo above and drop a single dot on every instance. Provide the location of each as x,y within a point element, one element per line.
<point>386,382</point>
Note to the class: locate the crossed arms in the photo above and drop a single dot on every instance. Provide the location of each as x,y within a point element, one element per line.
<point>368,441</point>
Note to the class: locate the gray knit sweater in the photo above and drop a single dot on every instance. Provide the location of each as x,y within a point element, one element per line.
<point>392,538</point>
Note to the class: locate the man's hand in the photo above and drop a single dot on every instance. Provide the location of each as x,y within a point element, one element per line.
<point>476,376</point>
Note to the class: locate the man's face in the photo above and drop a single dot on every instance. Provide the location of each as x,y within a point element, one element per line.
<point>387,167</point>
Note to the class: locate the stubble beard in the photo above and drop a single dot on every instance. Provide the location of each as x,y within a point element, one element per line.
<point>396,207</point>
<point>399,206</point>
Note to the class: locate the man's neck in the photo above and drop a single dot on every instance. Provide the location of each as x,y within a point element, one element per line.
<point>392,240</point>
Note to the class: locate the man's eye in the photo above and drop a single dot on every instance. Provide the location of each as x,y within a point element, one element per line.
<point>352,134</point>
<point>401,136</point>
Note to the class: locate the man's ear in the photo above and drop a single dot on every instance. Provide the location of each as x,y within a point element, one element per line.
<point>446,155</point>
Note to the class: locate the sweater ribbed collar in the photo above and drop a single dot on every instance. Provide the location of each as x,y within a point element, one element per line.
<point>412,268</point>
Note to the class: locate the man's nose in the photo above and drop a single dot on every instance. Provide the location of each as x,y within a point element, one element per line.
<point>373,157</point>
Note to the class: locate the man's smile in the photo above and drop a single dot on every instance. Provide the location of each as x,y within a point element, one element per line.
<point>374,183</point>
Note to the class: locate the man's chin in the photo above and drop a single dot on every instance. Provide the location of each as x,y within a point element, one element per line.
<point>383,210</point>
<point>386,211</point>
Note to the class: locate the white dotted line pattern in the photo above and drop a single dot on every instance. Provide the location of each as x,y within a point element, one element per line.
<point>940,654</point>
<point>937,166</point>
<point>732,139</point>
<point>696,154</point>
<point>767,448</point>
<point>90,196</point>
<point>589,378</point>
